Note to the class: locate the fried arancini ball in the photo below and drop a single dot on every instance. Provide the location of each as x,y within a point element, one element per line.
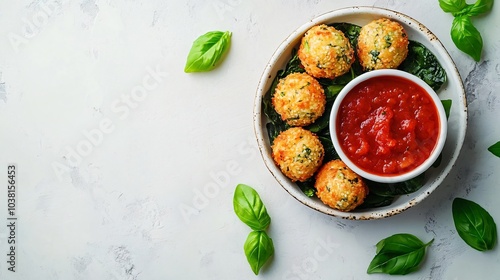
<point>298,153</point>
<point>299,99</point>
<point>382,44</point>
<point>339,187</point>
<point>325,52</point>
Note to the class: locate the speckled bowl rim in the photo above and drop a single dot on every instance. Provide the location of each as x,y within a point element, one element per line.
<point>453,89</point>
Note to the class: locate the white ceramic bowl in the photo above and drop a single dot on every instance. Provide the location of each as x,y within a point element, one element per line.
<point>453,90</point>
<point>400,177</point>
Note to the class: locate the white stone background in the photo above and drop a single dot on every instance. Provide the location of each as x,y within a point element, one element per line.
<point>67,69</point>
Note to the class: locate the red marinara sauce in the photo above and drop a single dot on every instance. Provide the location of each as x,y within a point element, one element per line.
<point>388,125</point>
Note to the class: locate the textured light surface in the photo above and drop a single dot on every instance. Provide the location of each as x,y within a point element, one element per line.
<point>127,165</point>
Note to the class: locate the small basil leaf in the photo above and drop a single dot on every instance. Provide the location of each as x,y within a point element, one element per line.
<point>452,6</point>
<point>474,224</point>
<point>447,107</point>
<point>466,37</point>
<point>394,189</point>
<point>495,149</point>
<point>258,249</point>
<point>249,208</point>
<point>478,8</point>
<point>207,50</point>
<point>395,264</point>
<point>398,254</point>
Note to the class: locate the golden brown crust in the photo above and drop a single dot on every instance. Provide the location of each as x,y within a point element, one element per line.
<point>299,99</point>
<point>298,153</point>
<point>382,44</point>
<point>325,52</point>
<point>339,187</point>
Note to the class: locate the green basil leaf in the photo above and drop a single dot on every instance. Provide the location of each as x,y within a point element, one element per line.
<point>207,51</point>
<point>474,224</point>
<point>495,149</point>
<point>249,208</point>
<point>395,264</point>
<point>401,242</point>
<point>466,37</point>
<point>398,254</point>
<point>452,6</point>
<point>258,249</point>
<point>447,107</point>
<point>478,8</point>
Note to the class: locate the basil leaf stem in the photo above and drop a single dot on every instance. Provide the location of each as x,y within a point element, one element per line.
<point>207,50</point>
<point>249,208</point>
<point>258,249</point>
<point>474,224</point>
<point>398,254</point>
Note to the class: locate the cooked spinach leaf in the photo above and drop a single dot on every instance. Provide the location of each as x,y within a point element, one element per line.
<point>409,186</point>
<point>330,153</point>
<point>322,122</point>
<point>293,66</point>
<point>307,187</point>
<point>373,200</point>
<point>351,31</point>
<point>331,91</point>
<point>422,63</point>
<point>395,189</point>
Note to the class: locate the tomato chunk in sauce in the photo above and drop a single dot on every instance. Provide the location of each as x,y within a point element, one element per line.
<point>388,125</point>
